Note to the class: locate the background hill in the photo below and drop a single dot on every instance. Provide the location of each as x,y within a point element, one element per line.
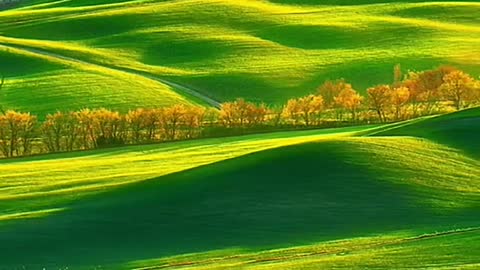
<point>73,54</point>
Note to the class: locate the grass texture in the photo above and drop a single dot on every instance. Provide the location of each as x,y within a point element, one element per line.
<point>101,53</point>
<point>334,198</point>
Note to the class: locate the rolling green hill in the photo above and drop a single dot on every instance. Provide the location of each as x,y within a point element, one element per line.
<point>112,53</point>
<point>334,197</point>
<point>381,196</point>
<point>459,130</point>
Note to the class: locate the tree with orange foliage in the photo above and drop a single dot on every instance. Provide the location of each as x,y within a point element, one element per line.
<point>152,119</point>
<point>276,115</point>
<point>193,120</point>
<point>458,87</point>
<point>256,114</point>
<point>53,131</point>
<point>349,100</point>
<point>27,133</point>
<point>311,107</point>
<point>60,132</point>
<point>329,90</point>
<point>86,129</point>
<point>16,133</point>
<point>171,120</point>
<point>228,114</point>
<point>399,98</point>
<point>292,110</point>
<point>476,91</point>
<point>135,120</point>
<point>241,113</point>
<point>425,86</point>
<point>108,127</point>
<point>233,113</point>
<point>71,131</point>
<point>379,99</point>
<point>306,108</point>
<point>143,125</point>
<point>241,110</point>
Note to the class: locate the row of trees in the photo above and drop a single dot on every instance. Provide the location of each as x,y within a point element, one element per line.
<point>88,129</point>
<point>410,95</point>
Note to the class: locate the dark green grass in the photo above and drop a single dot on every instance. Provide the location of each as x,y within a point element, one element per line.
<point>13,65</point>
<point>77,29</point>
<point>330,37</point>
<point>451,14</point>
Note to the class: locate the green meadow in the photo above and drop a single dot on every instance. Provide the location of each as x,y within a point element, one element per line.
<point>337,198</point>
<point>74,54</point>
<point>402,195</point>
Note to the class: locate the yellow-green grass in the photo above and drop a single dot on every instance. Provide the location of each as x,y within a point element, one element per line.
<point>403,250</point>
<point>259,50</point>
<point>243,196</point>
<point>45,84</point>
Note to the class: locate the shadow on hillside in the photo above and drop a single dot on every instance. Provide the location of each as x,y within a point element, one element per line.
<point>282,197</point>
<point>461,134</point>
<point>458,130</point>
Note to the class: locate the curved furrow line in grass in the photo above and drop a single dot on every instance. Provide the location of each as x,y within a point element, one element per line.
<point>57,84</point>
<point>182,88</point>
<point>312,256</point>
<point>120,70</point>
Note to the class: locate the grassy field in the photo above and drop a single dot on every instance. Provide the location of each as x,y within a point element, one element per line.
<point>403,195</point>
<point>72,54</point>
<point>339,198</point>
<point>44,180</point>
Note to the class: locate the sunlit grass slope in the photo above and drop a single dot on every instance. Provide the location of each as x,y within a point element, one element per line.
<point>43,84</point>
<point>260,50</point>
<point>449,250</point>
<point>303,188</point>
